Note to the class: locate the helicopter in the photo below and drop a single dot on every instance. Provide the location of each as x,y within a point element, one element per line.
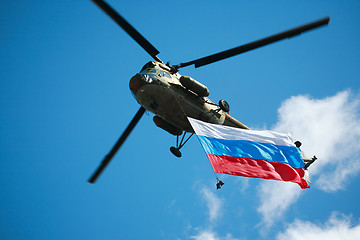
<point>171,97</point>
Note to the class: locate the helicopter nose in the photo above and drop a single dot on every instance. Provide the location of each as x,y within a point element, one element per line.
<point>140,80</point>
<point>135,83</point>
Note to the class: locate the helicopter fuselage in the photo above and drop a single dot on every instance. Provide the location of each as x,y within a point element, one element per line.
<point>160,91</point>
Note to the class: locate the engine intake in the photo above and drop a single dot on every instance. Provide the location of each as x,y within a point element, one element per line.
<point>193,85</point>
<point>167,126</point>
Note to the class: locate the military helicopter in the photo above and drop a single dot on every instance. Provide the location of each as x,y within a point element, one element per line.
<point>160,89</point>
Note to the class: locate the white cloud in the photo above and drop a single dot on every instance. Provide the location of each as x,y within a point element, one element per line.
<point>213,203</point>
<point>206,235</point>
<point>328,128</point>
<point>275,198</point>
<point>210,235</point>
<point>337,227</point>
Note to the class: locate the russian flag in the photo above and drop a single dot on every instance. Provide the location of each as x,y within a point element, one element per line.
<point>251,153</point>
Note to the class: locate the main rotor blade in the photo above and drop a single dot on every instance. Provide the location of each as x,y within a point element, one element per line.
<point>145,44</point>
<point>118,144</point>
<point>256,44</point>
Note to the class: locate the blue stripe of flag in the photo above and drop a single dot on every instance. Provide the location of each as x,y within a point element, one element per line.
<point>248,149</point>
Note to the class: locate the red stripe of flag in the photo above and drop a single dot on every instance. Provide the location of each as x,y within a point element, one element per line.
<point>258,169</point>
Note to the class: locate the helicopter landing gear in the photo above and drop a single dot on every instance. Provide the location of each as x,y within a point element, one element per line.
<point>224,106</point>
<point>176,150</point>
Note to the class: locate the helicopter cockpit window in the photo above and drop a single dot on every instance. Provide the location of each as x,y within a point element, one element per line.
<point>148,70</point>
<point>149,77</point>
<point>165,74</point>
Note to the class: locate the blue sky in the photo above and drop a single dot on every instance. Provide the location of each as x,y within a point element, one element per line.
<point>64,101</point>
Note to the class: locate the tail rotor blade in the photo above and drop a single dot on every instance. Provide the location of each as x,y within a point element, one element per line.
<point>256,44</point>
<point>145,44</point>
<point>118,144</point>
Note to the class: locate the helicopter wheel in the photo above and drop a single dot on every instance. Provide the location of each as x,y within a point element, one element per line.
<point>224,106</point>
<point>176,151</point>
